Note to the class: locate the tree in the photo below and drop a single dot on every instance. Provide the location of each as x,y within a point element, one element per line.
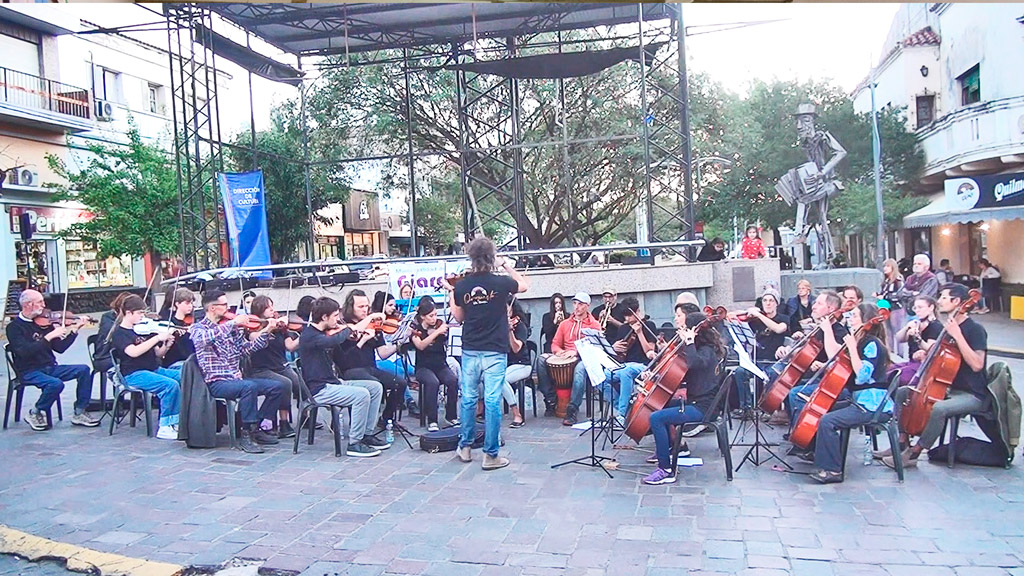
<point>132,193</point>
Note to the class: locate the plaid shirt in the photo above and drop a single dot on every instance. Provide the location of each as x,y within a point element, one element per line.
<point>220,347</point>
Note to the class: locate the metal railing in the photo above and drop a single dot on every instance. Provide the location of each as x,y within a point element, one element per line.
<point>30,91</point>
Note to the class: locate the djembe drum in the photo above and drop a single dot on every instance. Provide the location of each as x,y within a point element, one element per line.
<point>561,370</point>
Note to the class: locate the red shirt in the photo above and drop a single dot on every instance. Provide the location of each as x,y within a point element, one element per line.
<point>752,248</point>
<point>571,330</point>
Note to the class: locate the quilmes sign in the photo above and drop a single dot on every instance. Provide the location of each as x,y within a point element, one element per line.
<point>989,191</point>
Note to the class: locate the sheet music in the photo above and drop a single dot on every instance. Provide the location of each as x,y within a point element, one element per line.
<point>595,360</point>
<point>741,351</point>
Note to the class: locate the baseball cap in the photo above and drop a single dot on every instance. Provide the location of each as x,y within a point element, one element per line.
<point>609,290</point>
<point>582,297</point>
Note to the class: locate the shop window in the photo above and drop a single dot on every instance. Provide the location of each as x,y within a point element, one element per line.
<point>970,86</point>
<point>925,110</point>
<point>87,270</point>
<point>33,253</point>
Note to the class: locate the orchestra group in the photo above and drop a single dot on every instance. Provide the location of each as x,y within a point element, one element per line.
<point>829,358</point>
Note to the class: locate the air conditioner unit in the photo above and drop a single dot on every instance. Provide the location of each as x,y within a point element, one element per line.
<point>104,111</point>
<point>27,177</point>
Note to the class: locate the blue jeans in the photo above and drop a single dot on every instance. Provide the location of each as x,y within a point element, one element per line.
<point>51,381</point>
<point>744,393</point>
<point>490,368</point>
<point>246,391</point>
<point>828,452</point>
<point>626,377</point>
<point>674,414</point>
<point>579,387</point>
<point>165,383</point>
<point>796,403</point>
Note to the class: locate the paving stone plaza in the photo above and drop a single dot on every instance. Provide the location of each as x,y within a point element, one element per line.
<point>410,512</point>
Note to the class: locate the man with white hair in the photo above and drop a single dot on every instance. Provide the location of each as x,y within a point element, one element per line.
<point>34,344</point>
<point>922,281</point>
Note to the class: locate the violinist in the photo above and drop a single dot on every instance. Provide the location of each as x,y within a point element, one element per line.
<point>770,329</point>
<point>271,364</point>
<point>518,364</point>
<point>969,391</point>
<point>611,314</point>
<point>139,357</point>
<point>181,312</point>
<point>33,340</point>
<point>920,334</point>
<point>826,303</point>
<point>564,346</point>
<point>703,351</point>
<point>869,359</point>
<point>220,347</point>
<point>430,337</point>
<point>101,352</point>
<point>636,345</point>
<point>355,358</point>
<point>398,364</point>
<point>323,335</point>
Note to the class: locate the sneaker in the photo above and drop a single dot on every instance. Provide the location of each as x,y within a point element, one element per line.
<point>517,424</point>
<point>433,427</point>
<point>167,433</point>
<point>907,456</point>
<point>245,443</point>
<point>549,410</point>
<point>694,431</point>
<point>570,418</point>
<point>494,462</point>
<point>684,452</point>
<point>465,454</point>
<point>454,422</point>
<point>285,430</point>
<point>36,420</point>
<point>376,443</point>
<point>620,422</point>
<point>264,438</point>
<point>412,408</point>
<point>659,476</point>
<point>361,450</point>
<point>84,419</point>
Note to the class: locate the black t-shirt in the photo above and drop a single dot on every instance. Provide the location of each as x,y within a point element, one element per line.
<point>635,352</point>
<point>483,299</point>
<point>966,379</point>
<point>272,357</point>
<point>767,340</point>
<point>348,355</point>
<point>121,339</point>
<point>182,347</point>
<point>840,331</point>
<point>522,333</point>
<point>434,356</point>
<point>930,332</point>
<point>618,312</point>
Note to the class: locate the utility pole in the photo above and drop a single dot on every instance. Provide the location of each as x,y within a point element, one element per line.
<point>876,150</point>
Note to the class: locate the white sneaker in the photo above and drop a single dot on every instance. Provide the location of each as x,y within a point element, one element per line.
<point>432,427</point>
<point>36,420</point>
<point>167,433</point>
<point>84,419</point>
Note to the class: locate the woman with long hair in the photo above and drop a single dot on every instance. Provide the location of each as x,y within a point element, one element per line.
<point>271,364</point>
<point>551,319</point>
<point>869,359</point>
<point>430,337</point>
<point>703,351</point>
<point>892,283</point>
<point>399,364</point>
<point>919,335</point>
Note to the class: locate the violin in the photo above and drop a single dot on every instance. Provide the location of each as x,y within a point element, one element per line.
<point>149,327</point>
<point>836,375</point>
<point>798,360</point>
<point>48,318</point>
<point>932,380</point>
<point>295,324</point>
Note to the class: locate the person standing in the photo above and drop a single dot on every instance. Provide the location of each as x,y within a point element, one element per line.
<point>922,281</point>
<point>752,246</point>
<point>990,279</point>
<point>479,301</point>
<point>892,281</point>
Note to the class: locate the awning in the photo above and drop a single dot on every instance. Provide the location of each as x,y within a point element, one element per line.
<point>937,213</point>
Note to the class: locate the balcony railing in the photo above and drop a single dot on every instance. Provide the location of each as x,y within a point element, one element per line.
<point>29,91</point>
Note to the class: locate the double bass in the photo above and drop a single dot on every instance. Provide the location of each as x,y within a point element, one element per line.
<point>799,361</point>
<point>668,370</point>
<point>836,375</point>
<point>935,376</point>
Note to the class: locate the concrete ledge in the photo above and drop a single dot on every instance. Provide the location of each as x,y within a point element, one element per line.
<point>81,559</point>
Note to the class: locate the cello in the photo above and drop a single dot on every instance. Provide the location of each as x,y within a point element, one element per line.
<point>836,375</point>
<point>799,360</point>
<point>936,374</point>
<point>668,370</point>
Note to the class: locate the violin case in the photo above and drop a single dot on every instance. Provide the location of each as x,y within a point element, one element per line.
<point>447,440</point>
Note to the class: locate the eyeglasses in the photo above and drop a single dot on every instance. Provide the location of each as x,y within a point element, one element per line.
<point>219,304</point>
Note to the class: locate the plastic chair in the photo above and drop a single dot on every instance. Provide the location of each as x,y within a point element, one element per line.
<point>715,420</point>
<point>121,387</point>
<point>880,420</point>
<point>90,343</point>
<point>953,422</point>
<point>308,409</point>
<point>16,391</point>
<point>520,385</point>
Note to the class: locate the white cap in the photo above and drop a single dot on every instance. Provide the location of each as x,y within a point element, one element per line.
<point>582,297</point>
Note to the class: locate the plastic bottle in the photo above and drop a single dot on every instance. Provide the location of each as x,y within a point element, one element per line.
<point>868,458</point>
<point>389,435</point>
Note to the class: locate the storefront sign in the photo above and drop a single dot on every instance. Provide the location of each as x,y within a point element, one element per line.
<point>425,277</point>
<point>361,212</point>
<point>988,191</point>
<point>246,215</point>
<point>48,220</point>
<point>391,222</point>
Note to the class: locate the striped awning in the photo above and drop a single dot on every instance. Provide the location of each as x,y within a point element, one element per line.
<point>937,213</point>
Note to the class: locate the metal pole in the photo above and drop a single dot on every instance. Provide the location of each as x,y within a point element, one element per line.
<point>684,126</point>
<point>252,113</point>
<point>310,241</point>
<point>645,115</point>
<point>414,247</point>
<point>876,151</point>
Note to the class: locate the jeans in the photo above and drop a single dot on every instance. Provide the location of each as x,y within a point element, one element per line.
<point>488,367</point>
<point>828,452</point>
<point>796,403</point>
<point>544,383</point>
<point>364,396</point>
<point>394,386</point>
<point>625,377</point>
<point>287,377</point>
<point>579,387</point>
<point>431,380</point>
<point>957,403</point>
<point>674,414</point>
<point>744,393</point>
<point>246,391</point>
<point>165,383</point>
<point>514,373</point>
<point>51,381</point>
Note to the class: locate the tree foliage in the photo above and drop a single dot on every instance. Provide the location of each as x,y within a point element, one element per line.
<point>132,192</point>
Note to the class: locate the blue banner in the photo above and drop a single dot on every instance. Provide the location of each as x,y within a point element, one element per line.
<point>246,215</point>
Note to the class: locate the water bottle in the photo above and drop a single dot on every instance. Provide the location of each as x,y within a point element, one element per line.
<point>867,450</point>
<point>389,435</point>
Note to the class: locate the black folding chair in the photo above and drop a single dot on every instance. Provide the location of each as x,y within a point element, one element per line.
<point>880,421</point>
<point>121,387</point>
<point>715,420</point>
<point>16,392</point>
<point>308,409</point>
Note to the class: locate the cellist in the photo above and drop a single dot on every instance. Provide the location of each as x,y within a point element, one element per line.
<point>969,390</point>
<point>703,351</point>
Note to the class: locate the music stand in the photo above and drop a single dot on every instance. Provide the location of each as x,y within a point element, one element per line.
<point>594,345</point>
<point>743,340</point>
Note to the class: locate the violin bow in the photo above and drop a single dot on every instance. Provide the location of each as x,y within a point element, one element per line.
<point>170,309</point>
<point>634,314</point>
<point>149,285</point>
